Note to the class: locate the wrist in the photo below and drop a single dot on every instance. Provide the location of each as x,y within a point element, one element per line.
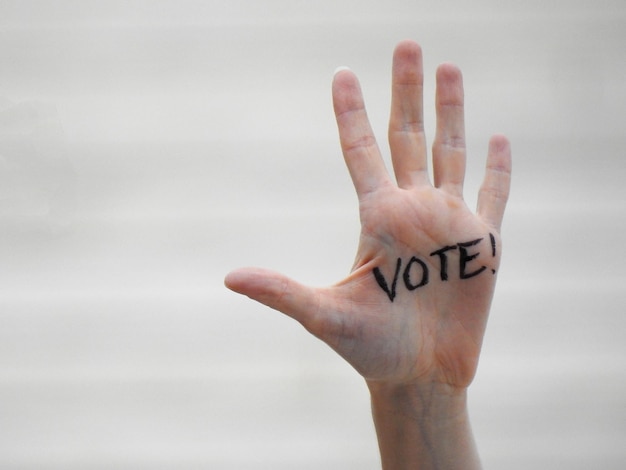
<point>435,403</point>
<point>423,426</point>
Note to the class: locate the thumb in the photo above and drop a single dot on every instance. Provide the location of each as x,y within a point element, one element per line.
<point>277,291</point>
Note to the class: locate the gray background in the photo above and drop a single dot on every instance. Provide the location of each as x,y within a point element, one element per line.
<point>146,148</point>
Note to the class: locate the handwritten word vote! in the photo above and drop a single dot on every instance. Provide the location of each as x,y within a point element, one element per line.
<point>416,273</point>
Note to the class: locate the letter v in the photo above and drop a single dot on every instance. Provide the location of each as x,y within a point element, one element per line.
<point>380,279</point>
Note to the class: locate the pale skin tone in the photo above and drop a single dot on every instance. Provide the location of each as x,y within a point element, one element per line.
<point>419,352</point>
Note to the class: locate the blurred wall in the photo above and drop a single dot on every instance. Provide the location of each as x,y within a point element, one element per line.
<point>148,147</point>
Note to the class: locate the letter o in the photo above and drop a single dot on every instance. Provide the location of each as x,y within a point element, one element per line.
<point>407,274</point>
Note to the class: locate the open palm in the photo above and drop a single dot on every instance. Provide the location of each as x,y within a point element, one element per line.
<point>415,305</point>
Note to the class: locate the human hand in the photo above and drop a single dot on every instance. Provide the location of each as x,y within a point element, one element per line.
<point>415,306</point>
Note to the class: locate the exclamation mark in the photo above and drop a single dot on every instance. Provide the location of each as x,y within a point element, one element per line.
<point>493,248</point>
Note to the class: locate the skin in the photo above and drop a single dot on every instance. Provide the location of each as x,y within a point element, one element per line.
<point>419,353</point>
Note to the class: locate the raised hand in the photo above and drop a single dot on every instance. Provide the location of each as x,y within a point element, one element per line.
<point>414,308</point>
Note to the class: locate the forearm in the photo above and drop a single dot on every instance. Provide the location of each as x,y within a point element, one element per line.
<point>423,427</point>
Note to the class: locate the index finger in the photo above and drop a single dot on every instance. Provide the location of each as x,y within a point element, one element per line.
<point>358,143</point>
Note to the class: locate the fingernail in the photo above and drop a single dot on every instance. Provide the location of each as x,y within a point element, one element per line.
<point>340,69</point>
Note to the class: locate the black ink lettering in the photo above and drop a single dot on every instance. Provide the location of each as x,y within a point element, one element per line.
<point>407,274</point>
<point>380,279</point>
<point>465,258</point>
<point>493,248</point>
<point>443,258</point>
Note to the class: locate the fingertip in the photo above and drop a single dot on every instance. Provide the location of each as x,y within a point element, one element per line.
<point>340,69</point>
<point>407,43</point>
<point>448,71</point>
<point>248,281</point>
<point>407,48</point>
<point>407,69</point>
<point>344,81</point>
<point>500,153</point>
<point>235,279</point>
<point>344,78</point>
<point>346,91</point>
<point>449,85</point>
<point>499,141</point>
